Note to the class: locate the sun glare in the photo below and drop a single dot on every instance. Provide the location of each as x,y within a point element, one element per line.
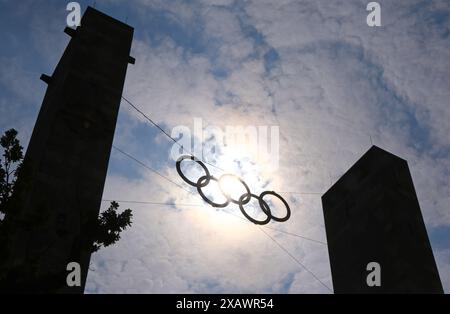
<point>237,172</point>
<point>231,186</point>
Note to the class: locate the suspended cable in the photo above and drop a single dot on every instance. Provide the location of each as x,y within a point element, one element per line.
<point>165,133</point>
<point>169,180</point>
<point>148,168</point>
<point>270,237</point>
<point>302,193</point>
<point>151,121</point>
<point>278,230</point>
<point>296,235</point>
<point>152,203</point>
<point>190,153</point>
<point>296,260</point>
<point>197,205</point>
<point>286,251</point>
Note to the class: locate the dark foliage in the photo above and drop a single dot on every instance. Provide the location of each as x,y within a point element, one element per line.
<point>110,225</point>
<point>104,232</point>
<point>9,166</point>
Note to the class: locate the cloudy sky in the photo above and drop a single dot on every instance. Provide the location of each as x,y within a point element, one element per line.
<point>315,69</point>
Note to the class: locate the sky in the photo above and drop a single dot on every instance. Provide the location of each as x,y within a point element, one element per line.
<point>332,85</point>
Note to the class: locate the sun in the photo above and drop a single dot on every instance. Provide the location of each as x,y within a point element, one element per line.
<point>232,186</point>
<point>237,177</point>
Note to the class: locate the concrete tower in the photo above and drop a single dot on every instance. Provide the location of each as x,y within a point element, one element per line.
<point>67,159</point>
<point>372,215</point>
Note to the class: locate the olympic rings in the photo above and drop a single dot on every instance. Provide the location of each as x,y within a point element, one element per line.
<point>244,199</point>
<point>288,210</point>
<point>264,206</point>
<point>207,200</point>
<point>208,176</point>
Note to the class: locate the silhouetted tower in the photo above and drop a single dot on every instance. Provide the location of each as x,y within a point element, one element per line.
<point>372,215</point>
<point>67,158</point>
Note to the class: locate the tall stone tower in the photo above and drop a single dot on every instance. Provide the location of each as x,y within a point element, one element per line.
<point>67,160</point>
<point>372,215</point>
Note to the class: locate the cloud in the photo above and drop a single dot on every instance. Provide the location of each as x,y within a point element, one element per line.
<point>333,85</point>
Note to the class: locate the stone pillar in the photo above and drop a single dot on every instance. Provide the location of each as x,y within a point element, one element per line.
<point>372,215</point>
<point>67,159</point>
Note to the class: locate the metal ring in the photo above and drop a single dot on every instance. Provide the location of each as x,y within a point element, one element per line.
<point>288,210</point>
<point>238,202</point>
<point>185,179</point>
<point>243,199</point>
<point>207,200</point>
<point>264,206</point>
